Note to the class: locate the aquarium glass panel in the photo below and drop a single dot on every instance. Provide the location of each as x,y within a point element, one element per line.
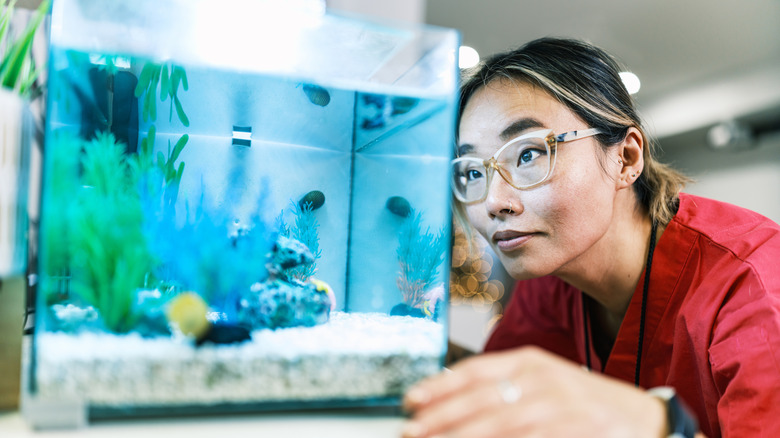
<point>245,206</point>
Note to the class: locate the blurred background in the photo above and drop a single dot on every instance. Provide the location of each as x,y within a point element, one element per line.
<point>709,93</point>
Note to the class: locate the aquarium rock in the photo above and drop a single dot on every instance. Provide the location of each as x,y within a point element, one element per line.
<point>279,304</point>
<point>399,206</point>
<point>150,308</point>
<point>69,317</point>
<point>313,200</point>
<point>316,94</point>
<point>288,253</point>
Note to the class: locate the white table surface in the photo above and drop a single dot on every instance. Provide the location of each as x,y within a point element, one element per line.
<point>288,425</point>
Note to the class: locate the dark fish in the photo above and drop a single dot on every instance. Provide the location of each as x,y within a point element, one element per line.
<point>399,206</point>
<point>373,123</point>
<point>225,333</point>
<point>402,105</point>
<point>386,109</point>
<point>380,115</point>
<point>314,199</point>
<point>376,100</point>
<point>316,94</point>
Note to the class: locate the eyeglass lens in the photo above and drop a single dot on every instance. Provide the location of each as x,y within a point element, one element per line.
<point>523,163</point>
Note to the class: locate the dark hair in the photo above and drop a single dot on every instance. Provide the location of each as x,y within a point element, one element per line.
<point>585,79</point>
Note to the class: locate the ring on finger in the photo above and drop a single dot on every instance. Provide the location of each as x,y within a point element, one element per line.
<point>509,392</point>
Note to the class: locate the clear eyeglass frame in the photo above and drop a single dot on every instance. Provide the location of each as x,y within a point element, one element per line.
<point>491,165</point>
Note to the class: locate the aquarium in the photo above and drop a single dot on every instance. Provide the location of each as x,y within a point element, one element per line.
<point>245,205</point>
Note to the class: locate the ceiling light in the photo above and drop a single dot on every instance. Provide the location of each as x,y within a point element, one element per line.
<point>729,134</point>
<point>467,57</point>
<point>630,81</point>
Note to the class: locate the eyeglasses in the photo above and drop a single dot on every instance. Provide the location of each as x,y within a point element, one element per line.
<point>528,160</point>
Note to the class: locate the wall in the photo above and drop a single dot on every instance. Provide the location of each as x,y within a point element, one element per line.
<point>401,10</point>
<point>747,177</point>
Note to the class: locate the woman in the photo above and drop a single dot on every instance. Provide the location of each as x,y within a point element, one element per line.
<point>621,274</point>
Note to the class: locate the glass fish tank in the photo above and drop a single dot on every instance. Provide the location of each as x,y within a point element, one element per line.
<point>245,206</point>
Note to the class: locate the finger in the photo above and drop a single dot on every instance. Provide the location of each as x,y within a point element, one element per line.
<point>434,388</point>
<point>460,409</point>
<point>447,412</point>
<point>485,367</point>
<point>500,422</point>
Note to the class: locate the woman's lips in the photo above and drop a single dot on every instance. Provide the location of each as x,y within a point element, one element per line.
<point>511,240</point>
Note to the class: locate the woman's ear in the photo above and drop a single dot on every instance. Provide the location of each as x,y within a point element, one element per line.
<point>630,158</point>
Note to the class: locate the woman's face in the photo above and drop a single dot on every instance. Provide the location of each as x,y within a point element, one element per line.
<point>546,229</point>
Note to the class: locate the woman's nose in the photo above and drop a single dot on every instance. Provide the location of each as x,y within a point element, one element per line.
<point>502,198</point>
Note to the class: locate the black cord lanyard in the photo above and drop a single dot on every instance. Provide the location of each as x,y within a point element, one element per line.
<point>645,288</point>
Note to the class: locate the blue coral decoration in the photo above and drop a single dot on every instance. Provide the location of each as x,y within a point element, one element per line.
<point>420,252</point>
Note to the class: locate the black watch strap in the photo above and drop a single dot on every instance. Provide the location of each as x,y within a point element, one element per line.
<point>681,423</point>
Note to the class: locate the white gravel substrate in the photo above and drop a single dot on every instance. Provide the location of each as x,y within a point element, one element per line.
<point>354,355</point>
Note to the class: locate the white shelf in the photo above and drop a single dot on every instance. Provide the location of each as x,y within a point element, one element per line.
<point>13,425</point>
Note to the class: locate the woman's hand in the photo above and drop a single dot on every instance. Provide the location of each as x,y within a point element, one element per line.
<point>529,392</point>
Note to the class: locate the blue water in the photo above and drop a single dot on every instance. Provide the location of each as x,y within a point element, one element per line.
<point>358,147</point>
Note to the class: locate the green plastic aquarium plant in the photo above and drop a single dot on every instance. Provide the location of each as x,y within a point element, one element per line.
<point>419,255</point>
<point>109,256</point>
<point>153,75</point>
<point>145,161</point>
<point>17,67</point>
<point>108,175</point>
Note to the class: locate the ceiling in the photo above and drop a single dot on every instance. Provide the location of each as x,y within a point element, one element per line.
<point>700,61</point>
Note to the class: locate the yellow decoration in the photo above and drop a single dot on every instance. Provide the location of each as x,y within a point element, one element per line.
<point>325,288</point>
<point>187,311</point>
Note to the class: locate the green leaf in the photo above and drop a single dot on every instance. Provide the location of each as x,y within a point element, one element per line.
<point>179,146</point>
<point>153,109</point>
<point>144,79</point>
<point>180,112</point>
<point>26,85</point>
<point>169,164</point>
<point>147,144</point>
<point>184,83</point>
<point>5,19</point>
<point>161,160</point>
<point>164,83</point>
<point>145,111</point>
<point>153,98</point>
<point>175,80</point>
<point>19,51</point>
<point>180,172</point>
<point>151,135</point>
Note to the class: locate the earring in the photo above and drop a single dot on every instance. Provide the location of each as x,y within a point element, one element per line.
<point>620,161</point>
<point>633,175</point>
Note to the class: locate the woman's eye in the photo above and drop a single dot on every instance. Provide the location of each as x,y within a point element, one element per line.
<point>473,174</point>
<point>528,155</point>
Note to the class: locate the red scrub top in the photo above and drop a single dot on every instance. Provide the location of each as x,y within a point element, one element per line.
<point>712,327</point>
